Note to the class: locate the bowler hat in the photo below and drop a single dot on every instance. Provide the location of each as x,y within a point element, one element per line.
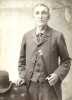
<point>5,84</point>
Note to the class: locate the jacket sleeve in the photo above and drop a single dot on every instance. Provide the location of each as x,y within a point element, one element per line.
<point>65,60</point>
<point>22,59</point>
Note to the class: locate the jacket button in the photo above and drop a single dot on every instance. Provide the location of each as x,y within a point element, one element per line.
<point>38,64</point>
<point>38,70</point>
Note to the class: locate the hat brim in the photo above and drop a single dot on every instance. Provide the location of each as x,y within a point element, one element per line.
<point>4,90</point>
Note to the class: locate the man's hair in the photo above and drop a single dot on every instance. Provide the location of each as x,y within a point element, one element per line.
<point>41,4</point>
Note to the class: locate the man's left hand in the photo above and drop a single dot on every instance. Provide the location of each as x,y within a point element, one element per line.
<point>52,79</point>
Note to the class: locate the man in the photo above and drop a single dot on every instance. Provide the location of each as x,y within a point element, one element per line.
<point>39,65</point>
<point>9,91</point>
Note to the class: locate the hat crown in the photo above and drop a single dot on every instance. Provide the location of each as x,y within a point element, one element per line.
<point>4,79</point>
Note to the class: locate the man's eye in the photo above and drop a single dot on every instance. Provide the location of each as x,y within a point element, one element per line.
<point>37,12</point>
<point>44,12</point>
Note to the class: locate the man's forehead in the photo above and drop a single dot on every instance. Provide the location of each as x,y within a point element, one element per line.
<point>40,8</point>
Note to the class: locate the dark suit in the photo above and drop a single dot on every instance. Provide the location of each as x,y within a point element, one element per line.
<point>53,46</point>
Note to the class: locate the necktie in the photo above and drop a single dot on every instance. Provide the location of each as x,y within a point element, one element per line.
<point>39,37</point>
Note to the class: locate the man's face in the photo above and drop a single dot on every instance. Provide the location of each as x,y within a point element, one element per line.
<point>41,15</point>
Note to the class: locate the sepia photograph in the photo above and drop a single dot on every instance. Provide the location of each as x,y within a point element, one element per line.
<point>35,49</point>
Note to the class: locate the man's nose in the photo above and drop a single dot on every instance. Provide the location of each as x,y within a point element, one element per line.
<point>40,15</point>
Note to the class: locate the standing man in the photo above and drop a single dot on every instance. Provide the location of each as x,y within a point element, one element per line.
<point>39,65</point>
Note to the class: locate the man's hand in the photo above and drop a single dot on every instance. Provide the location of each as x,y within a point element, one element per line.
<point>20,82</point>
<point>52,79</point>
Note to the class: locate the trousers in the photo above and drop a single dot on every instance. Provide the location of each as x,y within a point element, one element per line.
<point>42,91</point>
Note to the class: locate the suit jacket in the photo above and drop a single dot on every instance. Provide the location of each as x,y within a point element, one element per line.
<point>53,47</point>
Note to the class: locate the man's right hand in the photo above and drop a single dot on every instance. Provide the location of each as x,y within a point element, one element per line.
<point>20,82</point>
